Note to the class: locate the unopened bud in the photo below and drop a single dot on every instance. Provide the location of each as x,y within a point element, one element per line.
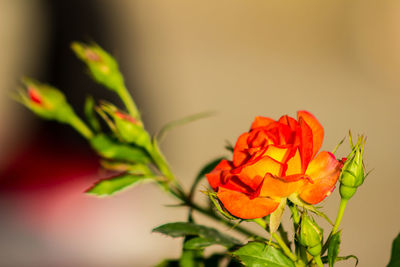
<point>310,235</point>
<point>353,174</point>
<point>45,101</point>
<point>128,128</point>
<point>102,66</point>
<point>34,95</point>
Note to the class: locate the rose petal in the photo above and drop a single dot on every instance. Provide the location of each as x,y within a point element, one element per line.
<point>260,121</point>
<point>289,121</point>
<point>261,167</point>
<point>278,153</point>
<point>294,164</point>
<point>239,153</point>
<point>276,187</point>
<point>316,127</point>
<point>324,171</point>
<point>306,144</point>
<point>214,177</point>
<point>241,206</point>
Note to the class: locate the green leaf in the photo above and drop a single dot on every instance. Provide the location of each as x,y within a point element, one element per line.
<point>206,169</point>
<point>198,243</point>
<point>173,124</point>
<point>180,229</point>
<point>333,249</point>
<point>257,254</point>
<point>395,257</point>
<point>90,113</point>
<point>108,187</point>
<point>110,149</point>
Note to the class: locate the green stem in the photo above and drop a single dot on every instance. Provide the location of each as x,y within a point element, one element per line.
<point>284,248</point>
<point>318,261</point>
<point>342,207</point>
<point>81,127</point>
<point>295,214</point>
<point>128,102</point>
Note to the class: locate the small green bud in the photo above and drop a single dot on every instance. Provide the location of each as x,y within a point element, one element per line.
<point>353,175</point>
<point>46,101</point>
<point>102,66</point>
<point>310,235</point>
<point>128,128</point>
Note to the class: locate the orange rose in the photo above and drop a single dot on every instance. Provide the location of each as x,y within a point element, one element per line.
<point>274,160</point>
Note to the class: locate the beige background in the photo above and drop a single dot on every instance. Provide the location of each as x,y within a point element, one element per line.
<point>338,59</point>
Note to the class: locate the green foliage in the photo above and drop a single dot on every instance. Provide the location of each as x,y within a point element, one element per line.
<point>395,256</point>
<point>110,186</point>
<point>111,149</point>
<point>257,254</point>
<point>213,236</point>
<point>90,114</point>
<point>333,248</point>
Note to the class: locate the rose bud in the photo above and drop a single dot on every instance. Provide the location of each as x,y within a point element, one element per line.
<point>353,174</point>
<point>310,235</point>
<point>46,101</point>
<point>128,128</point>
<point>275,160</point>
<point>50,103</point>
<point>102,66</point>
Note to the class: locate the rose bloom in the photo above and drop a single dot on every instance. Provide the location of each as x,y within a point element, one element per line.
<point>275,160</point>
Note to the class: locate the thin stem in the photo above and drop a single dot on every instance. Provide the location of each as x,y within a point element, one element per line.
<point>342,207</point>
<point>128,102</point>
<point>318,261</point>
<point>295,214</point>
<point>284,248</point>
<point>81,127</point>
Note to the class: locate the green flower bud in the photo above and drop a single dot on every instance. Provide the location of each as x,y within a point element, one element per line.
<point>102,66</point>
<point>46,101</point>
<point>310,235</point>
<point>128,128</point>
<point>353,175</point>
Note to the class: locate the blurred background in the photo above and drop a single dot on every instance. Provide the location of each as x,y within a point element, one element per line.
<point>338,59</point>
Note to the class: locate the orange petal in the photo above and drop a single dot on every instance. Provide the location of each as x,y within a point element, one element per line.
<point>294,164</point>
<point>239,153</point>
<point>316,127</point>
<point>260,121</point>
<point>306,144</point>
<point>241,206</point>
<point>289,121</point>
<point>276,187</point>
<point>278,153</point>
<point>261,167</point>
<point>214,177</point>
<point>324,171</point>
